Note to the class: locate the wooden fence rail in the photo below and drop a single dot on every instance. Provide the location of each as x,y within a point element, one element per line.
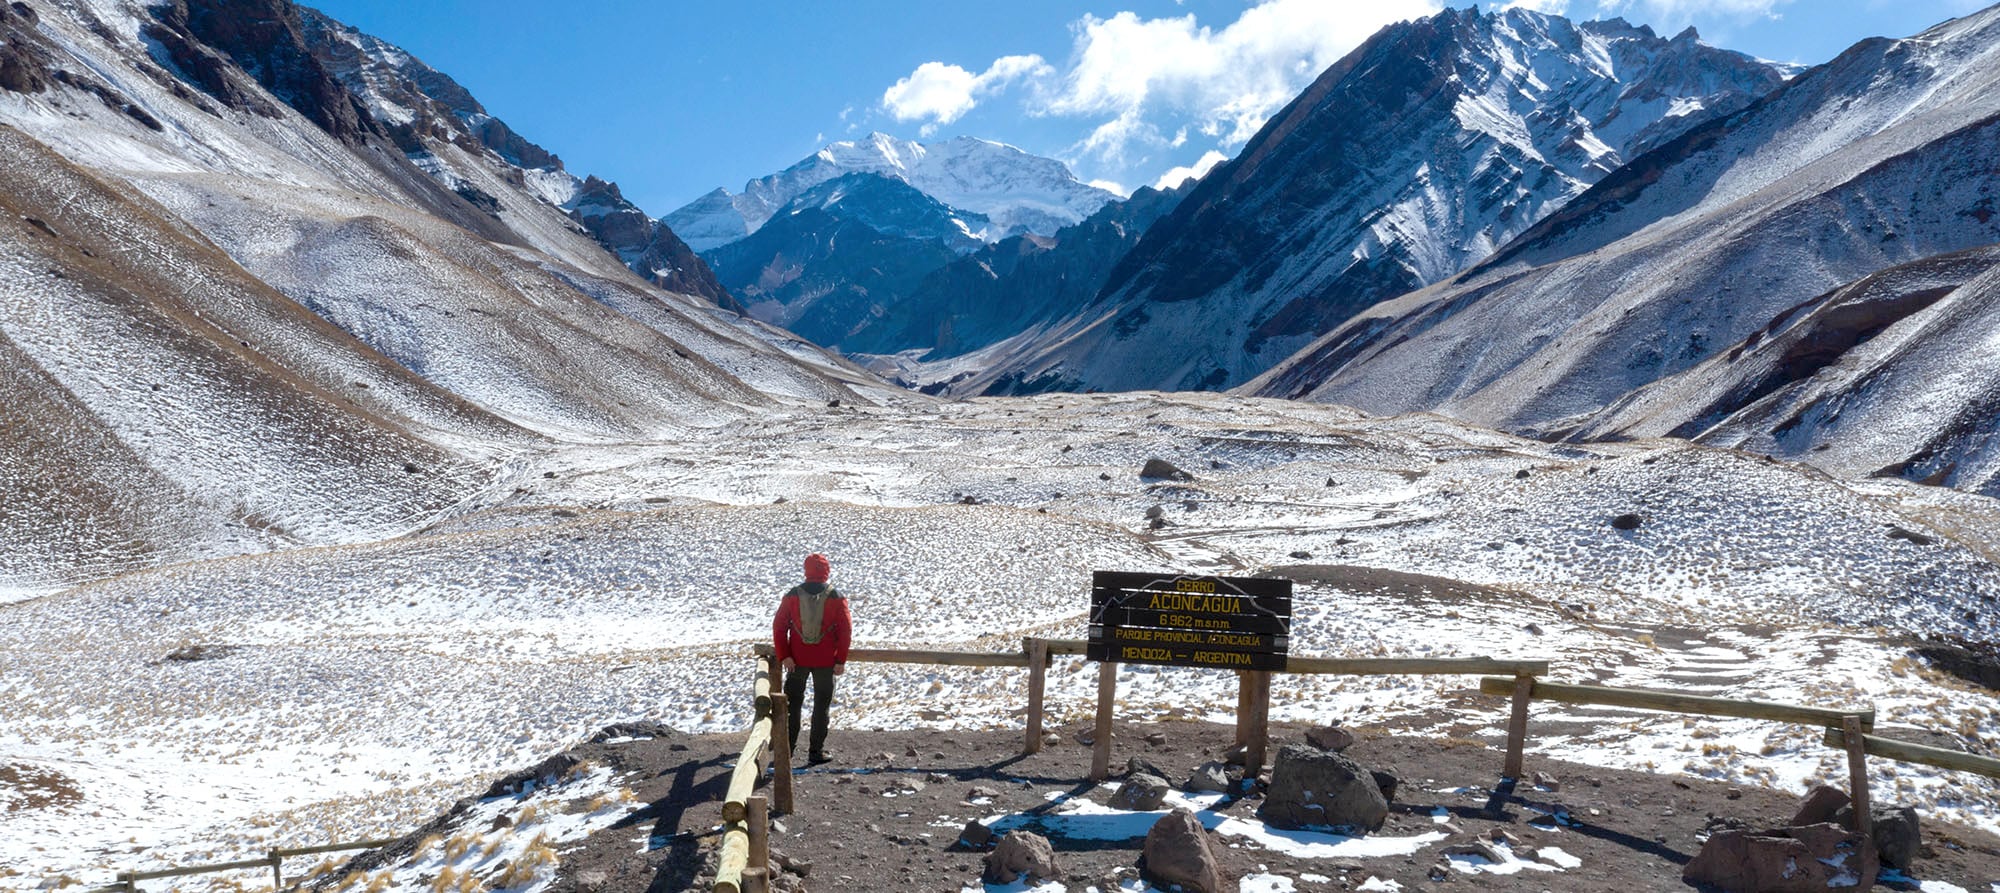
<point>1676,702</point>
<point>128,881</point>
<point>1909,752</point>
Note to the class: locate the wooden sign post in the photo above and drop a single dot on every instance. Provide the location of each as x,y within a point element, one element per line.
<point>1228,623</point>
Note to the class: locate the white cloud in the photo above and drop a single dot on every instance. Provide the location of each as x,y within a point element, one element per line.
<point>941,93</point>
<point>1179,175</point>
<point>1679,11</point>
<point>1143,73</point>
<point>1112,186</point>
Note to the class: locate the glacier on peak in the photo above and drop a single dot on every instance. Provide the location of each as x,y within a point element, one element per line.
<point>1016,191</point>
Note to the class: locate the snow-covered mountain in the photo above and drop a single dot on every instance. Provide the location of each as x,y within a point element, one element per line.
<point>1013,191</point>
<point>420,107</point>
<point>994,294</point>
<point>239,311</point>
<point>1415,156</point>
<point>1740,255</point>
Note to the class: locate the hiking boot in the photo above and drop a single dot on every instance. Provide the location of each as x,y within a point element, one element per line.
<point>819,756</point>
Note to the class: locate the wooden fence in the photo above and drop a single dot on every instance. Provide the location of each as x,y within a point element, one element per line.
<point>128,881</point>
<point>1846,728</point>
<point>744,863</point>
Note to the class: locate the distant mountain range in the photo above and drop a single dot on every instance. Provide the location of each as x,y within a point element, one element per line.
<point>994,190</point>
<point>1811,277</point>
<point>836,247</point>
<point>1415,156</point>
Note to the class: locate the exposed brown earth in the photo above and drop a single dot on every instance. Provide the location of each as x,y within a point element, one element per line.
<point>887,814</point>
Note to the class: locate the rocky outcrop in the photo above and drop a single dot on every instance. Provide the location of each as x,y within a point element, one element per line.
<point>1802,859</point>
<point>265,38</point>
<point>1313,788</point>
<point>1178,852</point>
<point>1022,854</point>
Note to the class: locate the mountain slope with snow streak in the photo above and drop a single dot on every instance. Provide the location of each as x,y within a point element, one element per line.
<point>1414,157</point>
<point>1872,163</point>
<point>259,325</point>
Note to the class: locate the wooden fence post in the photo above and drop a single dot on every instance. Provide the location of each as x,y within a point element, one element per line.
<point>760,832</point>
<point>1517,727</point>
<point>781,753</point>
<point>1245,702</point>
<point>1260,723</point>
<point>277,872</point>
<point>1038,675</point>
<point>1107,692</point>
<point>1857,779</point>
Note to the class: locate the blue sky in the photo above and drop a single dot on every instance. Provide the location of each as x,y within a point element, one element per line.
<point>672,99</point>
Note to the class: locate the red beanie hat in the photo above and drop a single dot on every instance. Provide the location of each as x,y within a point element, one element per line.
<point>818,568</point>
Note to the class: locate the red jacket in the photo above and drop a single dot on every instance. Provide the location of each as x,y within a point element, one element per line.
<point>788,639</point>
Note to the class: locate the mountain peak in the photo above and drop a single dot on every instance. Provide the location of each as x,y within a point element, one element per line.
<point>1018,192</point>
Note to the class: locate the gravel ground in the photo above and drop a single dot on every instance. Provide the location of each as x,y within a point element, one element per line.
<point>886,814</point>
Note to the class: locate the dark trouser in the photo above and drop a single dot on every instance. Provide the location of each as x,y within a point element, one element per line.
<point>795,696</point>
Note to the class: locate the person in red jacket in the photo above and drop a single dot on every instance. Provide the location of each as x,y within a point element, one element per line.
<point>810,635</point>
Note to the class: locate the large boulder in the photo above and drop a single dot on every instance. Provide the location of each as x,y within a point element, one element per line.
<point>1897,834</point>
<point>1316,788</point>
<point>1021,853</point>
<point>1178,852</point>
<point>1141,792</point>
<point>1784,860</point>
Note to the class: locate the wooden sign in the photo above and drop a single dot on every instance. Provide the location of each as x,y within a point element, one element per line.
<point>1234,623</point>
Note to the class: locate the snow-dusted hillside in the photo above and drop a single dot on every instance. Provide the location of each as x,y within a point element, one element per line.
<point>351,691</point>
<point>1877,162</point>
<point>1409,160</point>
<point>1890,375</point>
<point>423,109</point>
<point>233,324</point>
<point>1014,191</point>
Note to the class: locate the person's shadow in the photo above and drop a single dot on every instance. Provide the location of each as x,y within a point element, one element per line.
<point>695,785</point>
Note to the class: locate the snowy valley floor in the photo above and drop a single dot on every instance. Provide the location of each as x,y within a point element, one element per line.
<point>353,691</point>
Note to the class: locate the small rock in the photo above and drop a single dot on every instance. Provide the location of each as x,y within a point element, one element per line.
<point>1910,536</point>
<point>1142,766</point>
<point>1156,739</point>
<point>1210,776</point>
<point>1160,469</point>
<point>937,777</point>
<point>1051,739</point>
<point>1387,782</point>
<point>1333,738</point>
<point>1021,853</point>
<point>910,751</point>
<point>1534,629</point>
<point>1178,852</point>
<point>981,791</point>
<point>1521,475</point>
<point>1627,521</point>
<point>1545,780</point>
<point>1301,554</point>
<point>1155,512</point>
<point>1086,737</point>
<point>500,821</point>
<point>975,836</point>
<point>1819,806</point>
<point>1104,476</point>
<point>1140,792</point>
<point>1440,871</point>
<point>1502,835</point>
